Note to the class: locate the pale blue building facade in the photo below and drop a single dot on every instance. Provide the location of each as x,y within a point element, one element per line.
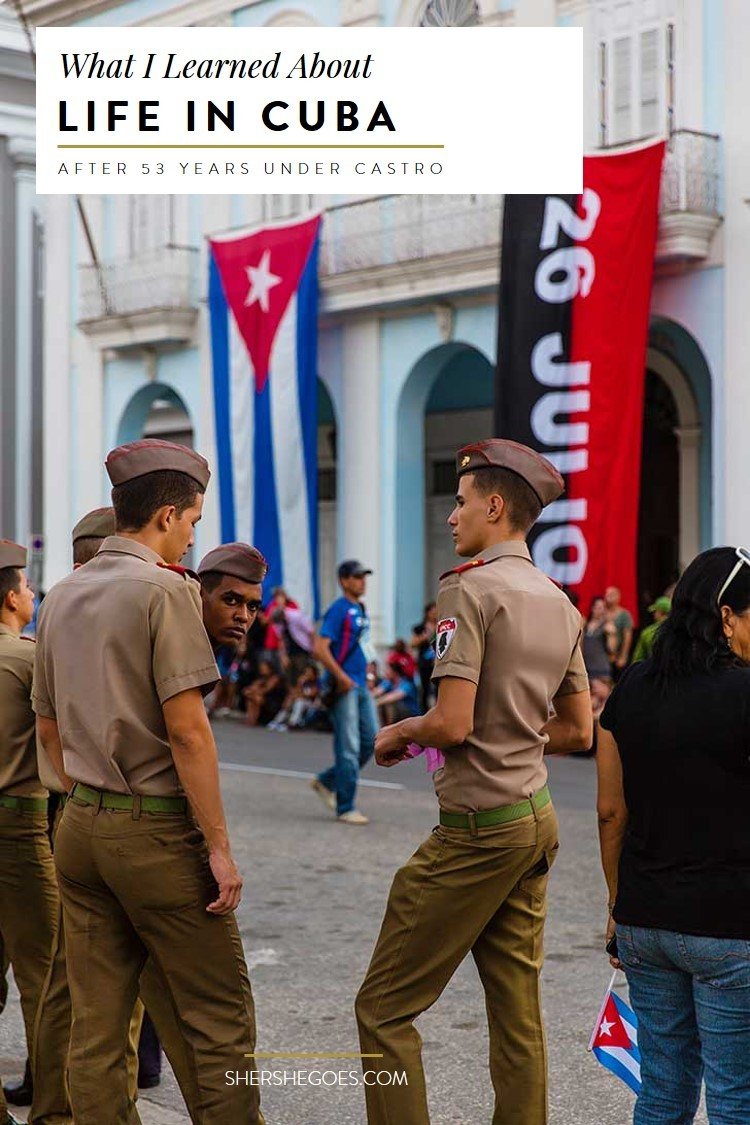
<point>408,322</point>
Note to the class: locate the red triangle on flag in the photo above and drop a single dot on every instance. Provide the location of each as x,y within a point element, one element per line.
<point>260,272</point>
<point>611,1031</point>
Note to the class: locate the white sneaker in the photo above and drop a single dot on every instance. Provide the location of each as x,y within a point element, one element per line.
<point>327,796</point>
<point>353,817</point>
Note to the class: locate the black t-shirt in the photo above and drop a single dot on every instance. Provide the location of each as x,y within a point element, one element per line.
<point>685,863</point>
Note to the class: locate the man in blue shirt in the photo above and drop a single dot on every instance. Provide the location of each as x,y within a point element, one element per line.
<point>341,648</point>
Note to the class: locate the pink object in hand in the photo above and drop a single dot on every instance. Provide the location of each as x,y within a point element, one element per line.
<point>434,758</point>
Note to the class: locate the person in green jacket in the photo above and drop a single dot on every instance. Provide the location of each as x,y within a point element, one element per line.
<point>645,645</point>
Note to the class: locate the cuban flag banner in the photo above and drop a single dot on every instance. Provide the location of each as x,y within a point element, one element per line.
<point>263,303</point>
<point>614,1040</point>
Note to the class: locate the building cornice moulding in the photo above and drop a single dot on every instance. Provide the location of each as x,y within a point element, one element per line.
<point>18,121</point>
<point>448,275</point>
<point>572,8</point>
<point>188,13</point>
<point>49,13</point>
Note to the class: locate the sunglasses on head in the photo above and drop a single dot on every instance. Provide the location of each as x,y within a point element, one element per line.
<point>743,558</point>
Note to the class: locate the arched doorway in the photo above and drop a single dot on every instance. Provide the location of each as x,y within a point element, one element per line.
<point>675,505</point>
<point>659,515</point>
<point>327,490</point>
<point>156,411</point>
<point>459,410</point>
<point>445,402</point>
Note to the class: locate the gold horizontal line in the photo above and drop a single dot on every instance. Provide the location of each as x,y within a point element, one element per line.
<point>281,147</point>
<point>312,1055</point>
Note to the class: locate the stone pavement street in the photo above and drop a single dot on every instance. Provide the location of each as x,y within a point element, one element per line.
<point>313,899</point>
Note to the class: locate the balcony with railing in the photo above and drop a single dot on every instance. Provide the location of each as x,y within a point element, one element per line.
<point>690,204</point>
<point>149,298</point>
<point>395,248</point>
<point>400,247</point>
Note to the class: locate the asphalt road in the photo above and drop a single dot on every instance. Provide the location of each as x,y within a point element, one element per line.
<point>313,901</point>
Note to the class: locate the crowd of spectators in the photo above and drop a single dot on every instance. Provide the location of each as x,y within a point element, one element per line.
<point>273,679</point>
<point>608,636</point>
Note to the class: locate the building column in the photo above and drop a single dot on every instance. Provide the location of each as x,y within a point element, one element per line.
<point>90,486</point>
<point>734,410</point>
<point>215,215</point>
<point>536,13</point>
<point>57,375</point>
<point>21,152</point>
<point>359,459</point>
<point>689,445</point>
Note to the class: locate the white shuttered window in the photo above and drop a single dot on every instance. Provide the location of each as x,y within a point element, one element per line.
<point>633,82</point>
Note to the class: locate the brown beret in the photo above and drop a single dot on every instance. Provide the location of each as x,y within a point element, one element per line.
<point>95,525</point>
<point>539,473</point>
<point>240,560</point>
<point>151,455</point>
<point>11,554</point>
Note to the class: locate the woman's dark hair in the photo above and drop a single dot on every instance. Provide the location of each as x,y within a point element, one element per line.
<point>692,637</point>
<point>596,598</point>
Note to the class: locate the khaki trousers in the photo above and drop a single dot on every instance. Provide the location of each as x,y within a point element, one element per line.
<point>52,1036</point>
<point>461,893</point>
<point>133,888</point>
<point>29,908</point>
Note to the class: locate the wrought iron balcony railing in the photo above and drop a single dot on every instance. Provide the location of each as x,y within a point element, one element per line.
<point>388,230</point>
<point>159,280</point>
<point>691,176</point>
<point>405,228</point>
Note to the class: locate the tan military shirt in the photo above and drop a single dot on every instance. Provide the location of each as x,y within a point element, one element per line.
<point>18,768</point>
<point>115,640</point>
<point>506,627</point>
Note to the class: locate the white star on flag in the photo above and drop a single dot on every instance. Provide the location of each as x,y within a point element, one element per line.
<point>261,281</point>
<point>606,1027</point>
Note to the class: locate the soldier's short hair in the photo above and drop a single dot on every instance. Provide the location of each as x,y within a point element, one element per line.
<point>137,501</point>
<point>85,549</point>
<point>210,579</point>
<point>524,506</point>
<point>10,579</point>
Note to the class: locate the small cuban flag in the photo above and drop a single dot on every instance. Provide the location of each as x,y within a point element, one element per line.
<point>614,1040</point>
<point>263,294</point>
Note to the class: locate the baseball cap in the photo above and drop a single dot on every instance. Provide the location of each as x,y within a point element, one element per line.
<point>353,568</point>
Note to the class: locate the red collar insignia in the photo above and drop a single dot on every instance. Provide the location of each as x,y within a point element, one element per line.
<point>464,566</point>
<point>183,570</point>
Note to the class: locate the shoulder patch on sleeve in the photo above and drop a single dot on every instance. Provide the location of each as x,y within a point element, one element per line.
<point>464,566</point>
<point>444,634</point>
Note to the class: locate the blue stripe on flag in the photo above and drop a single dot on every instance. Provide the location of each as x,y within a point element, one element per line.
<point>307,387</point>
<point>266,536</point>
<point>610,1062</point>
<point>219,312</point>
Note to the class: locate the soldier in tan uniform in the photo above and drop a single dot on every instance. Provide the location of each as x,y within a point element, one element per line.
<point>52,1027</point>
<point>28,889</point>
<point>142,851</point>
<point>512,686</point>
<point>231,578</point>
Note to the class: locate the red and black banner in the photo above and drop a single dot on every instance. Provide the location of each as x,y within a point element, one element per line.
<point>575,291</point>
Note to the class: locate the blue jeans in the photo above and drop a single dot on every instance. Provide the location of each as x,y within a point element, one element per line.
<point>692,999</point>
<point>355,725</point>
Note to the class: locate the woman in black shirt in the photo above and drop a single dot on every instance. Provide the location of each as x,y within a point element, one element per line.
<point>673,766</point>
